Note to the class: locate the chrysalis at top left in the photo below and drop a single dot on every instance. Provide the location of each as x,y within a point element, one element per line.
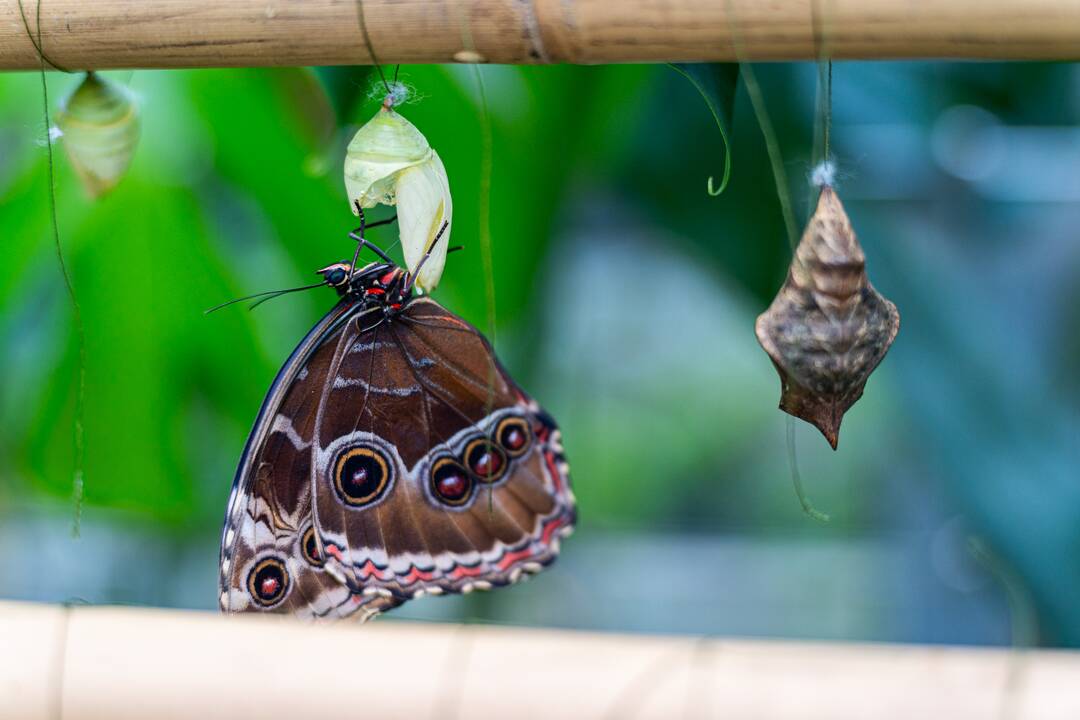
<point>390,162</point>
<point>99,124</point>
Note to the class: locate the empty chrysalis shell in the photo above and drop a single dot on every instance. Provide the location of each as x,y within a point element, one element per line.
<point>828,328</point>
<point>99,123</point>
<point>390,162</point>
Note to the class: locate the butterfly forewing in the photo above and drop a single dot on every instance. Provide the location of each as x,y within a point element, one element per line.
<point>268,561</point>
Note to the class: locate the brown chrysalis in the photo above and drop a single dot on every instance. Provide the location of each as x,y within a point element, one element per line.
<point>828,328</point>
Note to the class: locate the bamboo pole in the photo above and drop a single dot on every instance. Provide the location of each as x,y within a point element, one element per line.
<point>79,34</point>
<point>95,663</point>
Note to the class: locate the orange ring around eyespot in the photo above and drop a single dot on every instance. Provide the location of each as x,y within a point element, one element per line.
<point>504,462</point>
<point>524,426</point>
<point>384,479</point>
<point>442,462</point>
<point>282,588</point>
<point>310,558</point>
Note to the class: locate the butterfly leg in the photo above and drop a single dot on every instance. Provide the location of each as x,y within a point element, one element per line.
<point>364,242</point>
<point>363,221</point>
<point>380,223</point>
<point>358,236</point>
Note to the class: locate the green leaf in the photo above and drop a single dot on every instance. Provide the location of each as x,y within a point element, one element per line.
<point>716,82</point>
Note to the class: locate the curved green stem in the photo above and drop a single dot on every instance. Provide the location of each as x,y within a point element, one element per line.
<point>714,102</point>
<point>796,479</point>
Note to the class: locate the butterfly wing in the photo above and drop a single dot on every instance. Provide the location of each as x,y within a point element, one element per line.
<point>270,559</point>
<point>428,470</point>
<point>447,477</point>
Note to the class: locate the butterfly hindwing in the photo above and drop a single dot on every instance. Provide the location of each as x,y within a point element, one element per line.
<point>430,399</point>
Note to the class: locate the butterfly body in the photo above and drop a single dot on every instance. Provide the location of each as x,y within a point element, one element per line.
<point>393,457</point>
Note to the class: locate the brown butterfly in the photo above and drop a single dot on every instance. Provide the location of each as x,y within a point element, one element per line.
<point>393,457</point>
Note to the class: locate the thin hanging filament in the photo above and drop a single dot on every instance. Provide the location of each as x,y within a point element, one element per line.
<point>796,478</point>
<point>36,41</point>
<point>484,209</point>
<point>485,203</point>
<point>823,173</point>
<point>80,393</point>
<point>824,88</point>
<point>367,41</point>
<point>772,148</point>
<point>485,242</point>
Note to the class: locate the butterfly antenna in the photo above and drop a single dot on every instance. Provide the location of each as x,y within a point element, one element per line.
<point>279,293</point>
<point>264,296</point>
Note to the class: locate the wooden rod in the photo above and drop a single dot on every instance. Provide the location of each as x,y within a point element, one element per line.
<point>98,34</point>
<point>95,663</point>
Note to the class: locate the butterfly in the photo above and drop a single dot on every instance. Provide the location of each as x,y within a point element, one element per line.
<point>393,457</point>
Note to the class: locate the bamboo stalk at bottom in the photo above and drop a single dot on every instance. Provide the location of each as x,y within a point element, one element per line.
<point>91,663</point>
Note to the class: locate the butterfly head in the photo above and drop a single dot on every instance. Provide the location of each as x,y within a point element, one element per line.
<point>336,276</point>
<point>379,283</point>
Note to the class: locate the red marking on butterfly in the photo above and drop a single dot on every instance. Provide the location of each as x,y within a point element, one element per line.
<point>556,478</point>
<point>385,279</point>
<point>269,587</point>
<point>374,291</point>
<point>515,439</point>
<point>489,464</point>
<point>550,528</point>
<point>335,552</point>
<point>417,574</point>
<point>452,486</point>
<point>462,571</point>
<point>368,569</point>
<point>510,558</point>
<point>456,321</point>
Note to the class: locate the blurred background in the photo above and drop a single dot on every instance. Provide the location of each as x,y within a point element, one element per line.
<point>625,303</point>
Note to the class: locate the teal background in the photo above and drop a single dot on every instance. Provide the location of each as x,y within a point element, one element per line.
<point>625,301</point>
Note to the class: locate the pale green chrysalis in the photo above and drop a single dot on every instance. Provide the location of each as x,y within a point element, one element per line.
<point>390,162</point>
<point>99,124</point>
